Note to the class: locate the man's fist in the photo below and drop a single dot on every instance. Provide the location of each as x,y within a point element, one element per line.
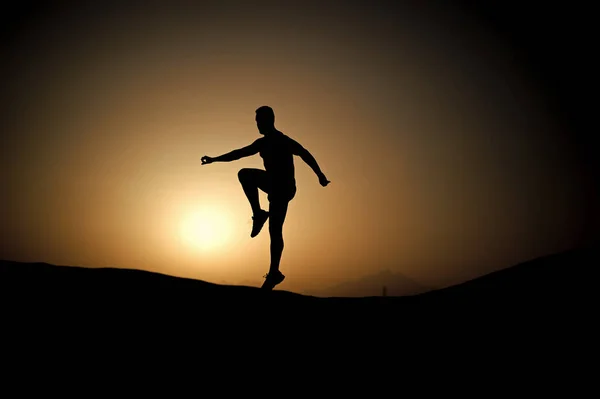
<point>206,160</point>
<point>323,180</point>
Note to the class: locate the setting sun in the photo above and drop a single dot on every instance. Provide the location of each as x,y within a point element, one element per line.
<point>206,229</point>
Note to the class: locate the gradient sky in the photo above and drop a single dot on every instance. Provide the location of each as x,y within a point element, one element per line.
<point>445,157</point>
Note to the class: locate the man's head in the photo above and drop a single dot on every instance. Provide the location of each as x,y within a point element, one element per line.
<point>265,119</point>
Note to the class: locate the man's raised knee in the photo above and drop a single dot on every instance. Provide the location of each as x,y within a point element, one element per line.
<point>243,174</point>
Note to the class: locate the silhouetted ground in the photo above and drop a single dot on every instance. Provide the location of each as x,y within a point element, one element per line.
<point>543,299</point>
<point>550,287</point>
<point>539,315</point>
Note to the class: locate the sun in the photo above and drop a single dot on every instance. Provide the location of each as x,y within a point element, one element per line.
<point>207,229</point>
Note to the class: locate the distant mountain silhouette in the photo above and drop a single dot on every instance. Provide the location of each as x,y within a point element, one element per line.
<point>396,284</point>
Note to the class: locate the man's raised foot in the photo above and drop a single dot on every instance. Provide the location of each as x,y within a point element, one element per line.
<point>258,221</point>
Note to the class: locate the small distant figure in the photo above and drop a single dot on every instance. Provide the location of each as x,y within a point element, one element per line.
<point>277,180</point>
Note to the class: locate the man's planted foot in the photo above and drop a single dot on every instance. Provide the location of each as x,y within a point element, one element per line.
<point>258,221</point>
<point>272,279</point>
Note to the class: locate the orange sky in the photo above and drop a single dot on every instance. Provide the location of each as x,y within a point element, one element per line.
<point>444,161</point>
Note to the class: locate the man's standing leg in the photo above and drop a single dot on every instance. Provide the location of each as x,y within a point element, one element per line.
<point>277,213</point>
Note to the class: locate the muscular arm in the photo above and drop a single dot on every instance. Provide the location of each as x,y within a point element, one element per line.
<point>307,157</point>
<point>239,153</point>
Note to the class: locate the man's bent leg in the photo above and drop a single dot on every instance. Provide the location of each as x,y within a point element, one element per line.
<point>251,180</point>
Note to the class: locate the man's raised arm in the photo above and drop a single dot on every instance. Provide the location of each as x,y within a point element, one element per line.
<point>310,161</point>
<point>234,155</point>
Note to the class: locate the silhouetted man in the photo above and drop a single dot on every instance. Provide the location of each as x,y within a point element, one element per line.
<point>277,180</point>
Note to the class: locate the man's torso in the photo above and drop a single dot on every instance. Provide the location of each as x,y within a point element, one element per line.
<point>276,150</point>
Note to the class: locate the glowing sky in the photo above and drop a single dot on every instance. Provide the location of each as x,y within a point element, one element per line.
<point>444,159</point>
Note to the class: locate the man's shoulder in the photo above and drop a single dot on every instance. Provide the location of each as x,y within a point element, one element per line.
<point>278,139</point>
<point>288,138</point>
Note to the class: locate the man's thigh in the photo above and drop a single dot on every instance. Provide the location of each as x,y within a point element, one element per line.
<point>279,193</point>
<point>259,178</point>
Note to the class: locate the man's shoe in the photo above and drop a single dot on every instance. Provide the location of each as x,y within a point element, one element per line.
<point>272,279</point>
<point>258,221</point>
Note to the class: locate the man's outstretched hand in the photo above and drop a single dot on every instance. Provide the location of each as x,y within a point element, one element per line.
<point>323,180</point>
<point>206,160</point>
